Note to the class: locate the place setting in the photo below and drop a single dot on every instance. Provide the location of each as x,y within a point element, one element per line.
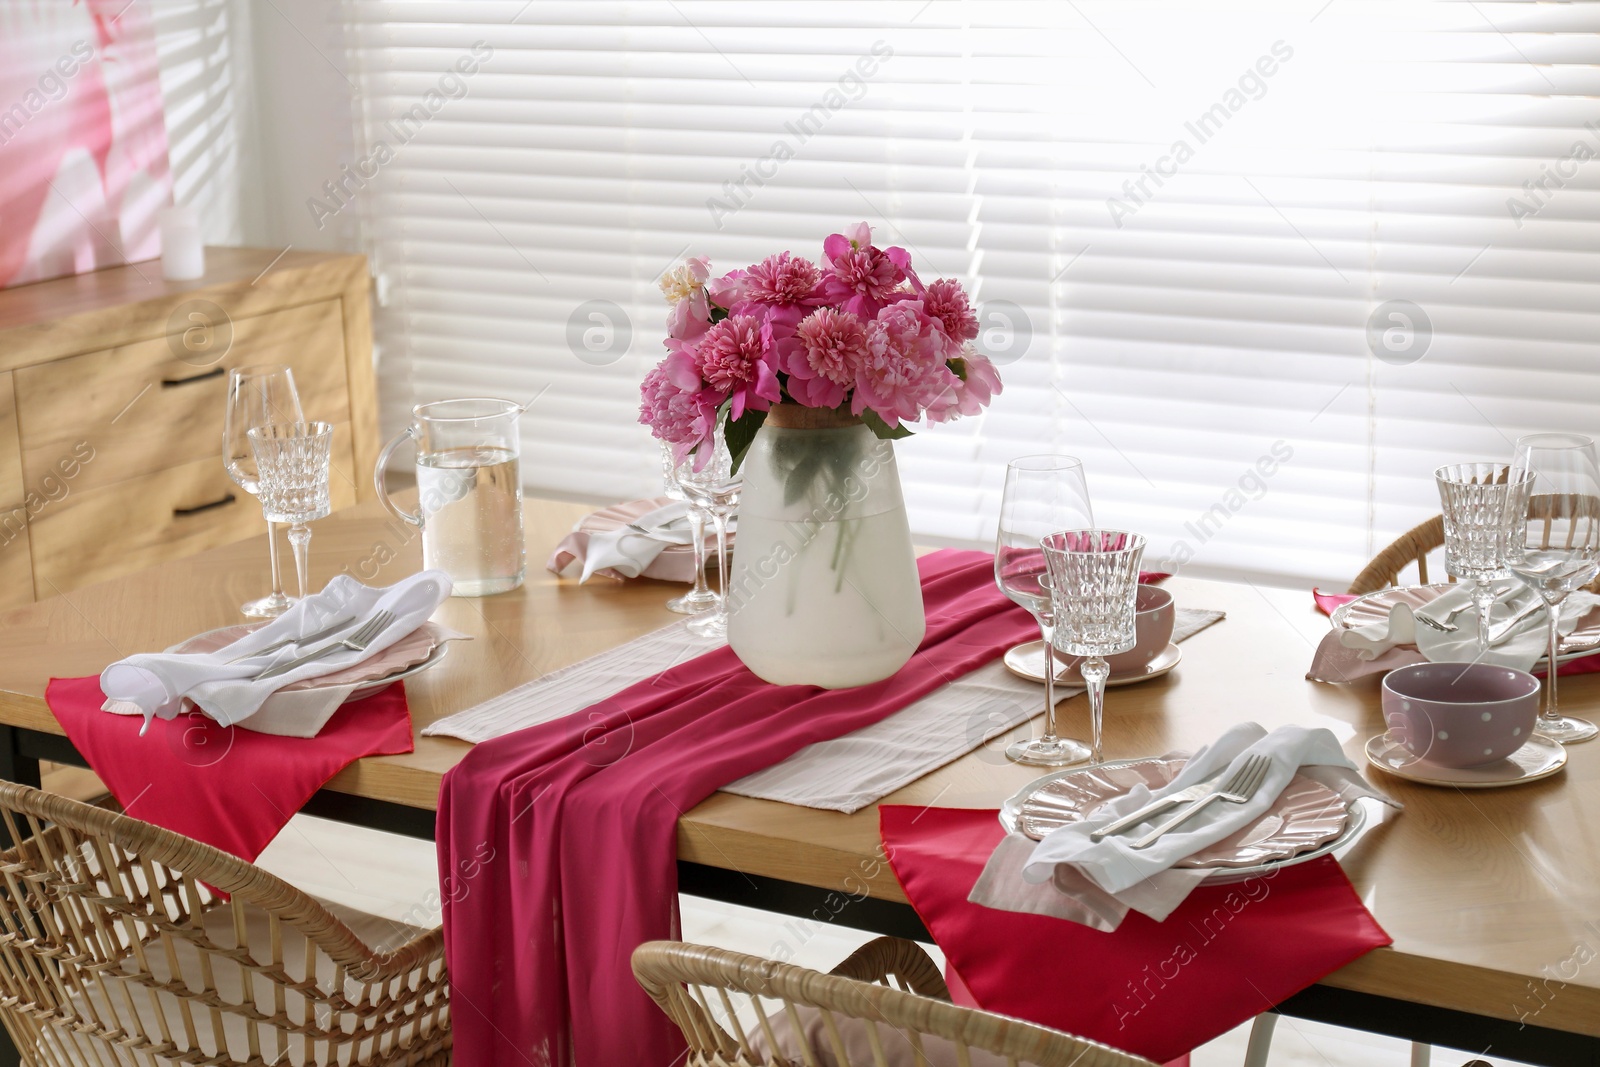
<point>1465,666</point>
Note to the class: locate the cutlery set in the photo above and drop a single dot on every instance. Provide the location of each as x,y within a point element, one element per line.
<point>1239,788</point>
<point>356,641</point>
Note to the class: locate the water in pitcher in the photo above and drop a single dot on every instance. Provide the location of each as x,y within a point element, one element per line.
<point>472,517</point>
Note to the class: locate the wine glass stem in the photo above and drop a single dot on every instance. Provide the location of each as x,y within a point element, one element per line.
<point>1095,671</point>
<point>1551,713</point>
<point>1483,598</point>
<point>300,541</point>
<point>697,530</point>
<point>1048,631</point>
<point>277,567</point>
<point>719,519</point>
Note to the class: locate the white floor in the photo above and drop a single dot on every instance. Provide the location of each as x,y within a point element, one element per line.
<point>395,877</point>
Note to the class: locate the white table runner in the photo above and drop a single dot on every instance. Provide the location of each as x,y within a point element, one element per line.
<point>844,774</point>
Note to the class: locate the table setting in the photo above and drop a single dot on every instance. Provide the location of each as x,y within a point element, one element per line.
<point>829,665</point>
<point>1464,665</point>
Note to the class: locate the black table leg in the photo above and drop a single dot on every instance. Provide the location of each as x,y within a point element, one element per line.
<point>14,766</point>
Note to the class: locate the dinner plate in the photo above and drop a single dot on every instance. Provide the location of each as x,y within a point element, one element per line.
<point>619,515</point>
<point>1314,822</point>
<point>1374,608</point>
<point>1027,661</point>
<point>1539,758</point>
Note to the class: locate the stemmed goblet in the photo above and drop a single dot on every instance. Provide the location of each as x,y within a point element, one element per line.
<point>700,598</point>
<point>1484,505</point>
<point>1042,494</point>
<point>260,395</point>
<point>292,460</point>
<point>1557,549</point>
<point>1094,592</point>
<point>714,489</point>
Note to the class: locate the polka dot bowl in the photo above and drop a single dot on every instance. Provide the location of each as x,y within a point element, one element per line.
<point>1460,714</point>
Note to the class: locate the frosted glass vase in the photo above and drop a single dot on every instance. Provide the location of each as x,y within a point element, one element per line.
<point>823,589</point>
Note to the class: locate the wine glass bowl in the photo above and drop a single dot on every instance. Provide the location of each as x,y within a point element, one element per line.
<point>1094,590</point>
<point>259,395</point>
<point>1042,494</point>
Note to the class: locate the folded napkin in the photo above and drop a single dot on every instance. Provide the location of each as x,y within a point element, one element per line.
<point>159,682</point>
<point>627,552</point>
<point>232,788</point>
<point>1348,654</point>
<point>1155,989</point>
<point>1117,876</point>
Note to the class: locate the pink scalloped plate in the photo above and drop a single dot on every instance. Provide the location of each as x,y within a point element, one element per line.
<point>1306,816</point>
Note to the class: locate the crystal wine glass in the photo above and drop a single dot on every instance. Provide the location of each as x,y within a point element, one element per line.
<point>1042,494</point>
<point>700,598</point>
<point>1483,504</point>
<point>1094,592</point>
<point>715,490</point>
<point>292,459</point>
<point>258,396</point>
<point>1557,550</point>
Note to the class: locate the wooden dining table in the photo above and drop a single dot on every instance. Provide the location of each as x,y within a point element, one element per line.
<point>1492,896</point>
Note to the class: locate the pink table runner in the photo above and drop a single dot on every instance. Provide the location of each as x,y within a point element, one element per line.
<point>232,788</point>
<point>558,844</point>
<point>1155,989</point>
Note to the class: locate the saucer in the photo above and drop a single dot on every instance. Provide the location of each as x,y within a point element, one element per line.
<point>1539,758</point>
<point>1027,661</point>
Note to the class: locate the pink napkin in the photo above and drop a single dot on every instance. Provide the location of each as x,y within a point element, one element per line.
<point>674,564</point>
<point>558,844</point>
<point>1155,989</point>
<point>230,787</point>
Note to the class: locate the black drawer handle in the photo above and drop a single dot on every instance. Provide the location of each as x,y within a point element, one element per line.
<point>215,372</point>
<point>198,508</point>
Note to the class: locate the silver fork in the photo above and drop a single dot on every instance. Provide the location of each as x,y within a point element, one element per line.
<point>1182,796</point>
<point>1447,626</point>
<point>355,642</point>
<point>326,631</point>
<point>1239,788</point>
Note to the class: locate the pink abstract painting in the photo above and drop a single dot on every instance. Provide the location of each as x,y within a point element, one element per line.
<point>83,139</point>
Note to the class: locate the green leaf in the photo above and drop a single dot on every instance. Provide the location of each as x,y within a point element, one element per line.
<point>740,433</point>
<point>882,430</point>
<point>797,486</point>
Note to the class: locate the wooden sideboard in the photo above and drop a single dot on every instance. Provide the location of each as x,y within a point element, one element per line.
<point>112,390</point>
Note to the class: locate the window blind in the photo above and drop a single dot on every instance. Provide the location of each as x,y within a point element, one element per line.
<point>1262,265</point>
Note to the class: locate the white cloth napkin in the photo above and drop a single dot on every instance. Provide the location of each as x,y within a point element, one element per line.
<point>228,692</point>
<point>1374,639</point>
<point>1145,879</point>
<point>629,552</point>
<point>1521,650</point>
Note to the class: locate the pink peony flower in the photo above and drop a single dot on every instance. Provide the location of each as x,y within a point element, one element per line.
<point>977,381</point>
<point>860,277</point>
<point>824,357</point>
<point>735,360</point>
<point>905,367</point>
<point>782,280</point>
<point>946,301</point>
<point>681,417</point>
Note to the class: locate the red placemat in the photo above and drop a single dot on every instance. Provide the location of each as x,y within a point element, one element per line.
<point>230,787</point>
<point>1155,989</point>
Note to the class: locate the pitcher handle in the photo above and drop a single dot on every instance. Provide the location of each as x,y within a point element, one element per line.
<point>382,466</point>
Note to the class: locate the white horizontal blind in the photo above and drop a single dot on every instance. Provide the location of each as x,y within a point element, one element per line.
<point>1189,211</point>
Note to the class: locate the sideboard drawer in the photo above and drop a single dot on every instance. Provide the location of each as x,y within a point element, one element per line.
<point>142,407</point>
<point>10,450</point>
<point>93,534</point>
<point>16,565</point>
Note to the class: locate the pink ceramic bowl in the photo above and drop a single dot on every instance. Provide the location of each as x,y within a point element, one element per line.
<point>1152,634</point>
<point>1460,714</point>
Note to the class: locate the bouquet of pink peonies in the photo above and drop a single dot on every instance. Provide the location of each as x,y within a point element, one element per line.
<point>859,334</point>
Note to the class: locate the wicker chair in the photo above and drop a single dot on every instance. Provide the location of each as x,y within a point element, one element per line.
<point>716,998</point>
<point>1410,547</point>
<point>126,945</point>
